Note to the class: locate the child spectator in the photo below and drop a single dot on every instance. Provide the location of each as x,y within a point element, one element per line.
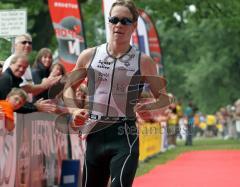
<point>57,69</point>
<point>16,98</point>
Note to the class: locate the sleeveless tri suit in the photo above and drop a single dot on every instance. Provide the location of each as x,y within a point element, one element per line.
<point>112,148</point>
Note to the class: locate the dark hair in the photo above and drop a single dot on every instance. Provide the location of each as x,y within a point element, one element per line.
<point>129,4</point>
<point>63,70</point>
<point>42,52</point>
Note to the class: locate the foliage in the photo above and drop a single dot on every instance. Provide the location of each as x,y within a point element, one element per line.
<point>201,53</point>
<point>200,49</point>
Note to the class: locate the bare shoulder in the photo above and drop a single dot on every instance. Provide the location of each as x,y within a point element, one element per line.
<point>85,58</point>
<point>147,65</point>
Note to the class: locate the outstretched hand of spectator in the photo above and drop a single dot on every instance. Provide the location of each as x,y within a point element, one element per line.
<point>46,106</point>
<point>50,81</point>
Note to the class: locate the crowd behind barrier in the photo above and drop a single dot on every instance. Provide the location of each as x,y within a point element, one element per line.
<point>36,147</point>
<point>32,154</point>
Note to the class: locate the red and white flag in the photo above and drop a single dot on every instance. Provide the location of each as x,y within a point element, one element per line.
<point>68,26</point>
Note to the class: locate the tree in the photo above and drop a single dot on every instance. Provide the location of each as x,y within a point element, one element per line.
<point>200,48</point>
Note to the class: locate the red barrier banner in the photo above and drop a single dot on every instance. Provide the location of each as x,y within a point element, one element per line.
<point>153,40</point>
<point>68,26</point>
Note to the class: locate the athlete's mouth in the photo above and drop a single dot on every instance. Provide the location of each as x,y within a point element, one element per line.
<point>118,32</point>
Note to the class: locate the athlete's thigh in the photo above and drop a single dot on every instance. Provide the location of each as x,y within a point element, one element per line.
<point>123,165</point>
<point>123,168</point>
<point>95,175</point>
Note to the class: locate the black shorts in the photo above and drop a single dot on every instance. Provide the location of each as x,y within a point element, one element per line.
<point>111,152</point>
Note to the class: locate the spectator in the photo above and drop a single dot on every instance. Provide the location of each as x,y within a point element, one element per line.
<point>237,117</point>
<point>224,114</point>
<point>41,71</point>
<point>56,70</point>
<point>211,125</point>
<point>231,122</point>
<point>23,45</point>
<point>55,92</point>
<point>11,78</point>
<point>172,126</point>
<point>41,66</point>
<point>189,113</point>
<point>16,98</point>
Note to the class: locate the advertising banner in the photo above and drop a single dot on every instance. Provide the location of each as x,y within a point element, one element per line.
<point>150,137</point>
<point>68,26</point>
<point>40,150</point>
<point>153,40</point>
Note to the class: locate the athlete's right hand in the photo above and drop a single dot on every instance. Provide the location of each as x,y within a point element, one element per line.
<point>79,117</point>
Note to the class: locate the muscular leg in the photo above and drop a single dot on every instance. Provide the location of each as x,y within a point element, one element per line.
<point>123,165</point>
<point>95,175</point>
<point>96,164</point>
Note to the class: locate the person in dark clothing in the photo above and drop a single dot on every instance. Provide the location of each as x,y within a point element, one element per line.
<point>189,113</point>
<point>42,64</point>
<point>11,78</point>
<point>41,70</point>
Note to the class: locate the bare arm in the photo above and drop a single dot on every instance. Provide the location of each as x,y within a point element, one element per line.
<point>149,72</point>
<point>77,75</point>
<point>157,86</point>
<point>39,88</point>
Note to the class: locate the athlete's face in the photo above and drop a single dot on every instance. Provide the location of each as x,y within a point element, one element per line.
<point>121,25</point>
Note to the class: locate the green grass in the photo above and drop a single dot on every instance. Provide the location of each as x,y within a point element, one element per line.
<point>201,144</point>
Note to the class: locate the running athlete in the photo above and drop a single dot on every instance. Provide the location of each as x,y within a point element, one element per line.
<point>115,72</point>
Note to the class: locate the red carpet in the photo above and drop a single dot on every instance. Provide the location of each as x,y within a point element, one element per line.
<point>196,169</point>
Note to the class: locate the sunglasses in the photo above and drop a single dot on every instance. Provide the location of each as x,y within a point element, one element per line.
<point>124,21</point>
<point>25,42</point>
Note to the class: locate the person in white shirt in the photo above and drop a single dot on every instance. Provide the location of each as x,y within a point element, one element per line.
<point>23,45</point>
